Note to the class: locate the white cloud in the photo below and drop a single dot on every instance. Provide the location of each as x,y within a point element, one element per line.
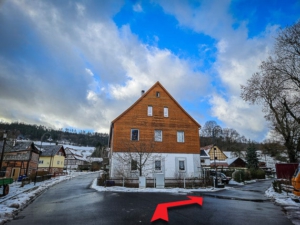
<point>89,72</point>
<point>238,57</point>
<point>60,94</point>
<point>137,8</point>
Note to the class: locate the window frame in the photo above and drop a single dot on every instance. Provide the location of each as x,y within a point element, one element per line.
<point>166,111</point>
<point>150,110</point>
<point>157,94</point>
<point>184,166</point>
<point>160,165</point>
<point>133,165</point>
<point>131,134</point>
<point>161,136</point>
<point>178,137</point>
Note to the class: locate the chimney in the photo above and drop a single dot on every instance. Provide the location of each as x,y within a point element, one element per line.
<point>142,92</point>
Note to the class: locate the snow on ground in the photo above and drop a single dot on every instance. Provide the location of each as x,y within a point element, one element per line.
<point>19,197</point>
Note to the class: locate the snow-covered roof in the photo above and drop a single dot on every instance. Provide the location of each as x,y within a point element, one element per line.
<point>207,147</point>
<point>204,153</point>
<point>94,159</point>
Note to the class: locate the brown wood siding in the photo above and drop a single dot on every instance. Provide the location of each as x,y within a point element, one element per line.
<point>178,120</point>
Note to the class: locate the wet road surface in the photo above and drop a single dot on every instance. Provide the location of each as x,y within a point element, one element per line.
<point>73,202</point>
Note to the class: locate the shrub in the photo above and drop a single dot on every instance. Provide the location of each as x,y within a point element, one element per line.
<point>277,186</point>
<point>257,174</point>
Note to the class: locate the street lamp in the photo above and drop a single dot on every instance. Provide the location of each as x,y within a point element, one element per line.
<point>50,160</point>
<point>216,128</point>
<point>3,148</point>
<point>42,145</point>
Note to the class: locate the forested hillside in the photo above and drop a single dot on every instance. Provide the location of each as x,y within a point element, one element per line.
<point>17,130</point>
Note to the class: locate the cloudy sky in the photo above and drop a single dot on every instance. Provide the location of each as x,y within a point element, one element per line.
<point>79,64</point>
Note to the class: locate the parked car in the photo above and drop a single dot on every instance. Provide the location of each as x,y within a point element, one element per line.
<point>221,176</point>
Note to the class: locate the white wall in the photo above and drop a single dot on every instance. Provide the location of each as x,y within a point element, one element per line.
<point>170,165</point>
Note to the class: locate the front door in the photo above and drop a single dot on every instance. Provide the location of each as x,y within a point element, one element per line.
<point>15,173</point>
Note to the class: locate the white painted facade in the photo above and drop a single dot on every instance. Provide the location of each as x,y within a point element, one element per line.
<point>172,165</point>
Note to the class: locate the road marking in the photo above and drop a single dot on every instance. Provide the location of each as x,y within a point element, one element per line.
<point>161,211</point>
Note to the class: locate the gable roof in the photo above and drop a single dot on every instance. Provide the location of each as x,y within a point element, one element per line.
<point>207,147</point>
<point>51,150</point>
<point>19,146</point>
<point>145,94</point>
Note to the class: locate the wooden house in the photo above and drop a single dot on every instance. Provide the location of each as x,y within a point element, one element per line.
<point>216,155</point>
<point>204,159</point>
<point>236,162</point>
<point>158,132</point>
<point>20,158</point>
<point>75,160</point>
<point>52,159</point>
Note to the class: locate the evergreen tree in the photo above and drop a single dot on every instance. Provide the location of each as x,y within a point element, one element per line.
<point>251,157</point>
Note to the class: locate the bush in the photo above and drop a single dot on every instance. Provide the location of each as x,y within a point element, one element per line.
<point>241,175</point>
<point>277,186</point>
<point>238,176</point>
<point>257,174</point>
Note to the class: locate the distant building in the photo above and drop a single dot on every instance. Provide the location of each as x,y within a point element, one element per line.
<point>20,158</point>
<point>52,158</point>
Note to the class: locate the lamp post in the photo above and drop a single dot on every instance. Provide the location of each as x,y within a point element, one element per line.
<point>3,148</point>
<point>42,144</point>
<point>214,148</point>
<point>50,160</point>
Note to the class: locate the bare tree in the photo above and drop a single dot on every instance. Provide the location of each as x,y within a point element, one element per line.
<point>208,127</point>
<point>277,88</point>
<point>137,156</point>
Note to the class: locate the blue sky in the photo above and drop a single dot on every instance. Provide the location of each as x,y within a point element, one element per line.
<point>79,64</point>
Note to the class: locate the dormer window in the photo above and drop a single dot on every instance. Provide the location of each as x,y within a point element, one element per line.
<point>157,94</point>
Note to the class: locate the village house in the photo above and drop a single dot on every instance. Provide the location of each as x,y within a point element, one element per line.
<point>216,155</point>
<point>155,135</point>
<point>52,159</point>
<point>213,157</point>
<point>75,160</point>
<point>20,158</point>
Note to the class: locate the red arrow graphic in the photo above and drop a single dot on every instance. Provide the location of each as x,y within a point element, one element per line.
<point>161,211</point>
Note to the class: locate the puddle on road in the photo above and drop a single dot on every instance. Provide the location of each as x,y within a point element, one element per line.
<point>235,198</point>
<point>19,217</point>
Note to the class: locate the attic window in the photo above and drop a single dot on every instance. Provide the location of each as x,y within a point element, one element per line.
<point>157,94</point>
<point>149,110</point>
<point>166,112</point>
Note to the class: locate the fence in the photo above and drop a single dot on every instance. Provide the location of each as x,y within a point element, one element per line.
<point>169,182</point>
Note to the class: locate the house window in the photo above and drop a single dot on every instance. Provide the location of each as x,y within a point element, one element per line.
<point>181,165</point>
<point>158,135</point>
<point>166,112</point>
<point>157,94</point>
<point>133,164</point>
<point>57,162</point>
<point>180,136</point>
<point>134,134</point>
<point>149,110</point>
<point>157,165</point>
<point>41,161</point>
<point>202,161</point>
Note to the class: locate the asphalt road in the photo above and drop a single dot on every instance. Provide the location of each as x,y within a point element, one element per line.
<point>73,202</point>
